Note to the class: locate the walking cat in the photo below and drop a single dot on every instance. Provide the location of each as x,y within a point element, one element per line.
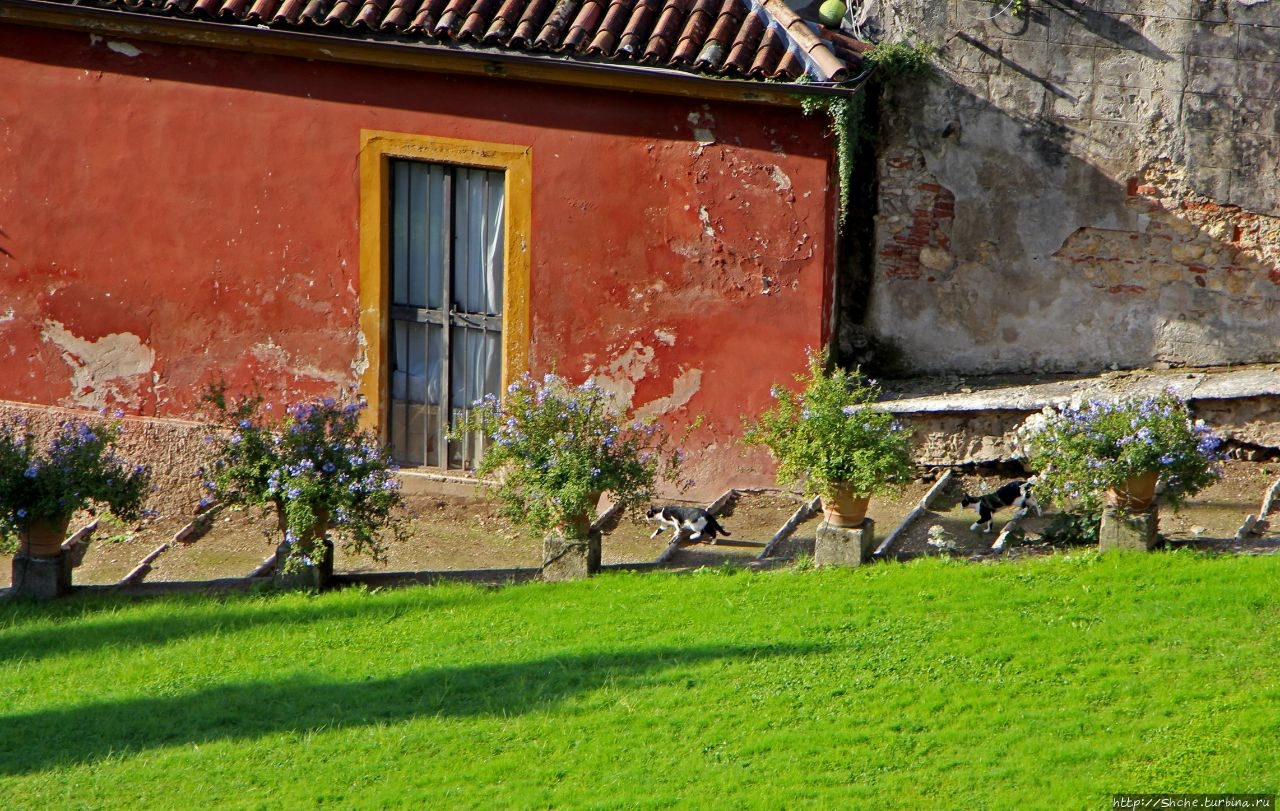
<point>1014,494</point>
<point>697,521</point>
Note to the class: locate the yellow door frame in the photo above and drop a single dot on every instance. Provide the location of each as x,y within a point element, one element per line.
<point>377,149</point>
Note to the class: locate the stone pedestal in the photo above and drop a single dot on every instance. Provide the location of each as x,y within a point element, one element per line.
<point>41,578</point>
<point>1128,529</point>
<point>844,546</point>
<point>312,576</point>
<point>569,556</point>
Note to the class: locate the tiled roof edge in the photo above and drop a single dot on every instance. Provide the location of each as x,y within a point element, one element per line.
<point>817,54</point>
<point>264,39</point>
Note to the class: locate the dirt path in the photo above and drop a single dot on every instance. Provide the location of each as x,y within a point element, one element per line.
<point>455,534</point>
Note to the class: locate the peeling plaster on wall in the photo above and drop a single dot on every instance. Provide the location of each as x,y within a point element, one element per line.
<point>275,356</point>
<point>704,217</point>
<point>124,49</point>
<point>8,316</point>
<point>115,369</point>
<point>781,181</point>
<point>683,388</point>
<point>1210,267</point>
<point>665,337</point>
<point>360,364</point>
<point>701,123</point>
<point>619,377</point>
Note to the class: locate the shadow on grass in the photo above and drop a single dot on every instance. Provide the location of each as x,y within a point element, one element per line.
<point>33,631</point>
<point>53,738</point>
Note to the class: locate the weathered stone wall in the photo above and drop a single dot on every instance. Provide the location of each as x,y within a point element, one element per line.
<point>1083,186</point>
<point>175,450</point>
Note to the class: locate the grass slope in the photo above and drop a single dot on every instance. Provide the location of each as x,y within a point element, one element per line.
<point>1049,683</point>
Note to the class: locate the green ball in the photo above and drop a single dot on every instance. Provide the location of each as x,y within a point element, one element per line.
<point>831,12</point>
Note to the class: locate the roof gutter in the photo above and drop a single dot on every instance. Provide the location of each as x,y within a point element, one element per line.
<point>441,57</point>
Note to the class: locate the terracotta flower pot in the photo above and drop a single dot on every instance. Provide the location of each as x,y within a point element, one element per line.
<point>43,537</point>
<point>846,508</point>
<point>1134,493</point>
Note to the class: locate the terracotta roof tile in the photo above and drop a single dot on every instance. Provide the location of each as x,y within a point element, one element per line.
<point>262,10</point>
<point>746,44</point>
<point>770,51</point>
<point>586,21</point>
<point>343,12</point>
<point>745,39</point>
<point>701,16</point>
<point>372,14</point>
<point>530,22</point>
<point>400,15</point>
<point>638,27</point>
<point>665,31</point>
<point>290,12</point>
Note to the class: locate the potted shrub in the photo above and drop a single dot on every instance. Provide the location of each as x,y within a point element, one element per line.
<point>1121,452</point>
<point>44,483</point>
<point>830,440</point>
<point>553,449</point>
<point>317,470</point>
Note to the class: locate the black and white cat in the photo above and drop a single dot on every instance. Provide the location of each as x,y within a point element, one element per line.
<point>1014,494</point>
<point>697,521</point>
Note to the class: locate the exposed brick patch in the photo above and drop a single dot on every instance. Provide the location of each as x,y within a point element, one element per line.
<point>925,222</point>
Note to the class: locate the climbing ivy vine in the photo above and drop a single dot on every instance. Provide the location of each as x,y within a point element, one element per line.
<point>886,62</point>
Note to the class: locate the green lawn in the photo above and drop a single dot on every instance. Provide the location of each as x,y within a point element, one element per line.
<point>1047,683</point>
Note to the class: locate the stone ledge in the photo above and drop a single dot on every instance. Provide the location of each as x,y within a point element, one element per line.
<point>973,421</point>
<point>1190,384</point>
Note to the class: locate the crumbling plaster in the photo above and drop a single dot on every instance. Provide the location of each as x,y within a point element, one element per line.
<point>680,249</point>
<point>1080,187</point>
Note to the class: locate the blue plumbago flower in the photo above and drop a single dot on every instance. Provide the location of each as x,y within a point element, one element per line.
<point>305,464</point>
<point>77,468</point>
<point>551,437</point>
<point>1080,452</point>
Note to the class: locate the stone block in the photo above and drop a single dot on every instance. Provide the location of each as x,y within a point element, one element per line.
<point>1128,529</point>
<point>844,546</point>
<point>41,578</point>
<point>311,576</point>
<point>567,558</point>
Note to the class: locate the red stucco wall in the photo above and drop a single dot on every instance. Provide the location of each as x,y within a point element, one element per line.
<point>173,215</point>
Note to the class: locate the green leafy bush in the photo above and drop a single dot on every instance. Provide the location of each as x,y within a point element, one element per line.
<point>314,466</point>
<point>830,432</point>
<point>1074,527</point>
<point>555,448</point>
<point>901,60</point>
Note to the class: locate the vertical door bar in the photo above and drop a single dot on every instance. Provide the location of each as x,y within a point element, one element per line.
<point>446,262</point>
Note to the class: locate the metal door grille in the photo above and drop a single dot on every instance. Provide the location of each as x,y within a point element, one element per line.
<point>446,306</point>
